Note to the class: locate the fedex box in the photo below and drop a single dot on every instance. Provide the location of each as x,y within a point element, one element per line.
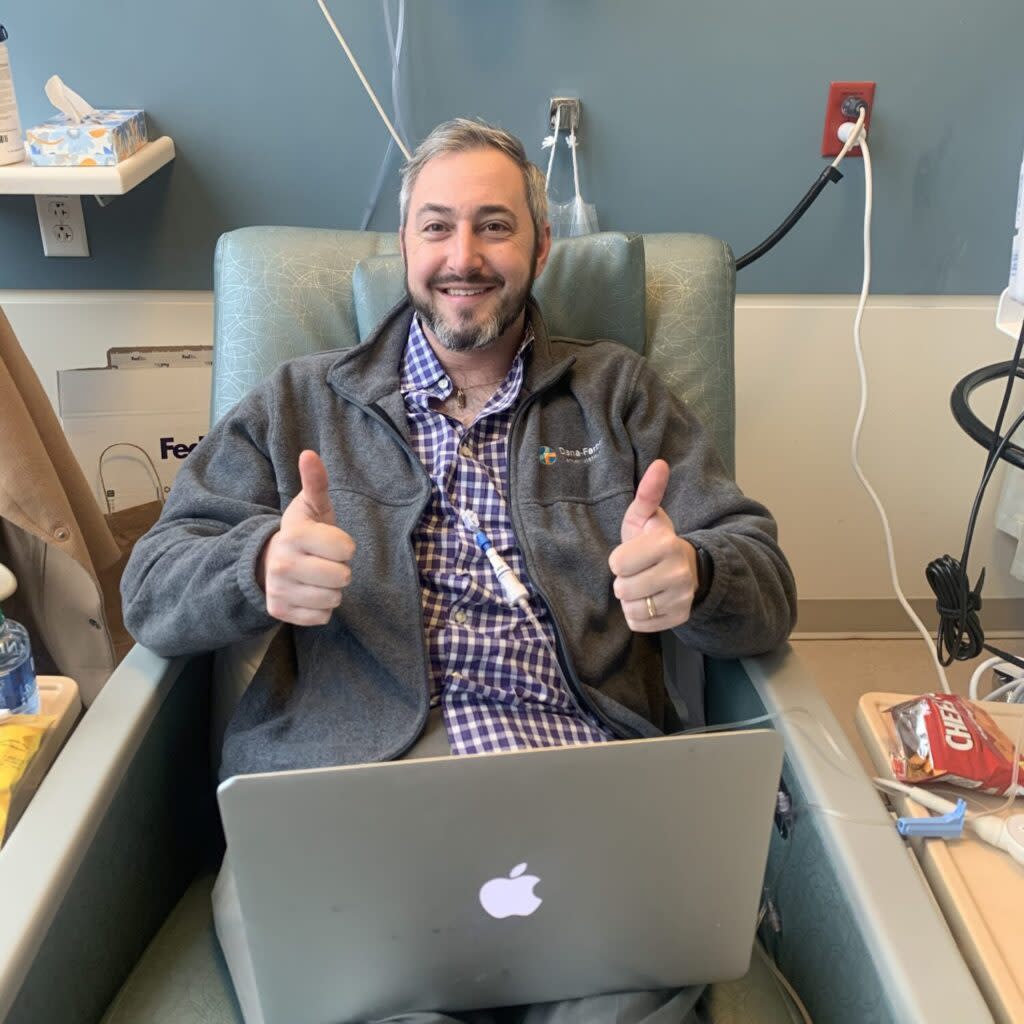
<point>131,429</point>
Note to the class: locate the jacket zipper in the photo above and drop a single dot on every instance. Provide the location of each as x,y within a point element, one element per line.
<point>376,413</point>
<point>582,701</point>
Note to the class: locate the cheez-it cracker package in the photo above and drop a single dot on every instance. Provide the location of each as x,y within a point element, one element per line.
<point>942,737</point>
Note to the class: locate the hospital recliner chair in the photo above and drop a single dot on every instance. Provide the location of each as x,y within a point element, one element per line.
<point>106,880</point>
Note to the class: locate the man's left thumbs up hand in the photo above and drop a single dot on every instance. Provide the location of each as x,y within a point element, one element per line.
<point>655,570</point>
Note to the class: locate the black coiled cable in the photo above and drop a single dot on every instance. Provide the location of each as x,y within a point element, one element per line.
<point>959,636</point>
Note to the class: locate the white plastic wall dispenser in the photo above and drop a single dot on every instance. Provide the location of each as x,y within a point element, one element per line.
<point>12,146</point>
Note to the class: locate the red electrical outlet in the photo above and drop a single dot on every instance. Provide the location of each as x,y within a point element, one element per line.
<point>838,93</point>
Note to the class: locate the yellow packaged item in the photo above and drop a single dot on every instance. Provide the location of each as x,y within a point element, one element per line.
<point>20,736</point>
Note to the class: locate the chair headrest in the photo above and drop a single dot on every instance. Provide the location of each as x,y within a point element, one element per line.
<point>592,287</point>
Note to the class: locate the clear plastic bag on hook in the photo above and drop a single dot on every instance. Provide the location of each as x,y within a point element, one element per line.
<point>572,218</point>
<point>575,217</point>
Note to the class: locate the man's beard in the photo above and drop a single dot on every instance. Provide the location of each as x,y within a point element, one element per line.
<point>471,336</point>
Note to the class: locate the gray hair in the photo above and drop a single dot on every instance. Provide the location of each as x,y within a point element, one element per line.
<point>462,135</point>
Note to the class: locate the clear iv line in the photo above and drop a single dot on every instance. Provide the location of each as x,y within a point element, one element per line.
<point>516,595</point>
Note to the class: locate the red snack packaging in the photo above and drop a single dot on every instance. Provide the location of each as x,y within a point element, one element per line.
<point>942,737</point>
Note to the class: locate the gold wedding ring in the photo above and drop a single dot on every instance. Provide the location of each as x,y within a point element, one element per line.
<point>652,612</point>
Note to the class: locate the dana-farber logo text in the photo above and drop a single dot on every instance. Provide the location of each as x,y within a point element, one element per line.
<point>585,453</point>
<point>169,448</point>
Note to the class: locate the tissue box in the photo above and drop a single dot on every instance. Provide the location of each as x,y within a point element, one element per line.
<point>101,140</point>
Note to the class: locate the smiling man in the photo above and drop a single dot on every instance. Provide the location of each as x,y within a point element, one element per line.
<point>338,497</point>
<point>470,265</point>
<point>471,262</point>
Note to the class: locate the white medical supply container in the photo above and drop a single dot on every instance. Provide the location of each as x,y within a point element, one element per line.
<point>12,146</point>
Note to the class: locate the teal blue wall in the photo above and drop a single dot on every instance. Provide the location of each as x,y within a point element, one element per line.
<point>697,117</point>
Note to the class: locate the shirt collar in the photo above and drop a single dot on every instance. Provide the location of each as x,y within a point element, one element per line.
<point>423,377</point>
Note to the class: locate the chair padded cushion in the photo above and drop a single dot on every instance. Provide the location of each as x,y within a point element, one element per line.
<point>691,283</point>
<point>281,292</point>
<point>182,978</point>
<point>592,287</point>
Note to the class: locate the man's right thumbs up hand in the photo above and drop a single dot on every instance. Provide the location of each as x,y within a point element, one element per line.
<point>304,567</point>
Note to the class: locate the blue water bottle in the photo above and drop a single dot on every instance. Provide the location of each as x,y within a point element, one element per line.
<point>19,693</point>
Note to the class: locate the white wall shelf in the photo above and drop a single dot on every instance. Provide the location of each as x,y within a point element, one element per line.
<point>22,179</point>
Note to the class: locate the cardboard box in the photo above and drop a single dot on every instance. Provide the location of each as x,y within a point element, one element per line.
<point>131,429</point>
<point>101,140</point>
<point>148,358</point>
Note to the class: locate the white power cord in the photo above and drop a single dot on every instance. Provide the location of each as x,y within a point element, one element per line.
<point>852,133</point>
<point>1015,688</point>
<point>852,136</point>
<point>362,78</point>
<point>1013,685</point>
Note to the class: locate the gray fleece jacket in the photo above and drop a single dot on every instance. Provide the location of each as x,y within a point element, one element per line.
<point>357,689</point>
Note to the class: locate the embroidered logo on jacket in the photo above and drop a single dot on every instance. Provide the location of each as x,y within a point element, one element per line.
<point>549,456</point>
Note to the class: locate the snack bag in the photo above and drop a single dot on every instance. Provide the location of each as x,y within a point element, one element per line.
<point>943,737</point>
<point>20,736</point>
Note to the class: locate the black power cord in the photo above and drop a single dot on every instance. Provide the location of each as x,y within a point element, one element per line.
<point>852,107</point>
<point>829,174</point>
<point>959,636</point>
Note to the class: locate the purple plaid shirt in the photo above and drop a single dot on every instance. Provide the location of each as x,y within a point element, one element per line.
<point>498,685</point>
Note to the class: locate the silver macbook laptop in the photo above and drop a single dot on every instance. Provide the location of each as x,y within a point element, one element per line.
<point>490,880</point>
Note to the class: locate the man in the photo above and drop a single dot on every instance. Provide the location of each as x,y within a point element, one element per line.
<point>333,498</point>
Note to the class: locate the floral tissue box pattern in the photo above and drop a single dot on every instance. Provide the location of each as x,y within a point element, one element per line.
<point>101,140</point>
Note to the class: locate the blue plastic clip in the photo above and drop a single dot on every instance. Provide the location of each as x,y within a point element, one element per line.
<point>940,826</point>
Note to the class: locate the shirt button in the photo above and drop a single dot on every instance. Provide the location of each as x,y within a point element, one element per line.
<point>459,616</point>
<point>466,451</point>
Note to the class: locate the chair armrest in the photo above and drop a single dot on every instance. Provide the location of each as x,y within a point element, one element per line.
<point>83,872</point>
<point>913,954</point>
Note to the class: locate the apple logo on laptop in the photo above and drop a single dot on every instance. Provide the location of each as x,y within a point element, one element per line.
<point>512,896</point>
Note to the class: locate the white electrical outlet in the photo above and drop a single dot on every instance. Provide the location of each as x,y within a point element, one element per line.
<point>62,225</point>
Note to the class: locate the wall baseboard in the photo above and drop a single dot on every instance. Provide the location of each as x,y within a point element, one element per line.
<point>886,615</point>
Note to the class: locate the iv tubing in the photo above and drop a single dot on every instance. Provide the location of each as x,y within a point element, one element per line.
<point>362,78</point>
